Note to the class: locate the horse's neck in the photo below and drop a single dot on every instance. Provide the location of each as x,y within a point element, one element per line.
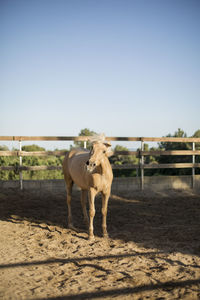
<point>105,166</point>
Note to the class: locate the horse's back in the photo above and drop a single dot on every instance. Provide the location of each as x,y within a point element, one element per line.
<point>77,152</point>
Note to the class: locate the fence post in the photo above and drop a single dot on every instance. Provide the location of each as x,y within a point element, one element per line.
<point>193,169</point>
<point>20,164</point>
<point>142,166</point>
<point>85,144</point>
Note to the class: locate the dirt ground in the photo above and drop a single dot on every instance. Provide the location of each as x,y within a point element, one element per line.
<point>153,251</point>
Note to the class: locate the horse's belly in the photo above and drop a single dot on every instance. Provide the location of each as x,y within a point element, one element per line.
<point>79,181</point>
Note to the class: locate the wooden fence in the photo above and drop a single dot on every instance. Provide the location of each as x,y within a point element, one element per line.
<point>140,153</point>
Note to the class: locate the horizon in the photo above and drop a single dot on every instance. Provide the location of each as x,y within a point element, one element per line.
<point>65,145</point>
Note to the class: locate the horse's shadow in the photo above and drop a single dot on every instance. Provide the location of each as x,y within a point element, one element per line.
<point>162,221</point>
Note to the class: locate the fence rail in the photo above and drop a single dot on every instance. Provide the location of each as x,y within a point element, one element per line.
<point>111,138</point>
<point>137,153</point>
<point>140,153</point>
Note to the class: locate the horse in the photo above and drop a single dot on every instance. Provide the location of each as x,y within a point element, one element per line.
<point>92,172</point>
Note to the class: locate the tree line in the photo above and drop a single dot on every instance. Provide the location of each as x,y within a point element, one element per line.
<point>115,159</point>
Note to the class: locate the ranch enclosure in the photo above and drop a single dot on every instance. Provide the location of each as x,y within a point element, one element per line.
<point>153,249</point>
<point>141,182</point>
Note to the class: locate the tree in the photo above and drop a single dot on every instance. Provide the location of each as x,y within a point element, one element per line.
<point>149,159</point>
<point>173,158</point>
<point>175,146</point>
<point>197,135</point>
<point>32,148</point>
<point>4,148</point>
<point>197,147</point>
<point>84,132</point>
<point>120,159</point>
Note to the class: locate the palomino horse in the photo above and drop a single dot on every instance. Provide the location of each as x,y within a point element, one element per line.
<point>92,172</point>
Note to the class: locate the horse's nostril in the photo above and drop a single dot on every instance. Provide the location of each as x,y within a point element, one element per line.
<point>87,163</point>
<point>94,165</point>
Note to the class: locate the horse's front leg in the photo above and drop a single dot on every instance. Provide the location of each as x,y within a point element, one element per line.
<point>92,194</point>
<point>104,210</point>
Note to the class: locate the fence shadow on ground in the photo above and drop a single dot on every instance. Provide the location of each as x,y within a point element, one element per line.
<point>126,291</point>
<point>114,292</point>
<point>167,222</point>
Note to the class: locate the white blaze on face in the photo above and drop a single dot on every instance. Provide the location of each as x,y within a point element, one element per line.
<point>90,166</point>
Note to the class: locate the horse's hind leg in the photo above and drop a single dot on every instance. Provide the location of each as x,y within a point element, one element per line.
<point>83,203</point>
<point>69,185</point>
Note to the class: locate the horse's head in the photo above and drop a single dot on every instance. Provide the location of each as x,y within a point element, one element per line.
<point>98,153</point>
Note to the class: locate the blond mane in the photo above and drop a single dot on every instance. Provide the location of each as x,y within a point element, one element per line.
<point>97,138</point>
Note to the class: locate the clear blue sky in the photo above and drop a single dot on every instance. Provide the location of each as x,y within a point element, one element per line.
<point>125,68</point>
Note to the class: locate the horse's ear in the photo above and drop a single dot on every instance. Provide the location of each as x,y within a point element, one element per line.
<point>109,151</point>
<point>107,144</point>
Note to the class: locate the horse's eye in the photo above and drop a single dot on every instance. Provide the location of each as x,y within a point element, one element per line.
<point>104,151</point>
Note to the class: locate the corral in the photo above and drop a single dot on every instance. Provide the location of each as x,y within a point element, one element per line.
<point>153,249</point>
<point>152,252</point>
<point>140,153</point>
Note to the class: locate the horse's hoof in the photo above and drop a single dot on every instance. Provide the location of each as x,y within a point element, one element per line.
<point>91,238</point>
<point>105,236</point>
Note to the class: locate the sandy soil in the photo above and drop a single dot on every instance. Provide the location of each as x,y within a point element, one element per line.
<point>153,251</point>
